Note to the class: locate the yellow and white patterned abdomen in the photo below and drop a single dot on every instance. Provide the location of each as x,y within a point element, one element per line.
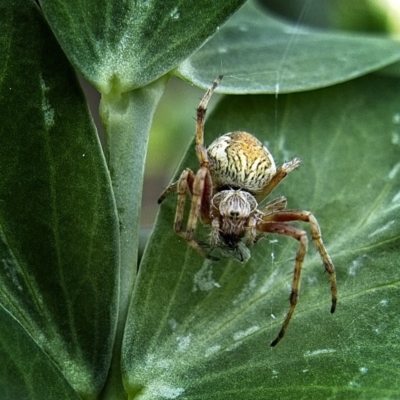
<point>239,160</point>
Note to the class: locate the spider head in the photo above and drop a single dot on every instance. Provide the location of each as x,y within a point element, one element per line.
<point>234,208</point>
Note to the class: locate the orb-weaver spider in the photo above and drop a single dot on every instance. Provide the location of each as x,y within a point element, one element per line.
<point>236,173</point>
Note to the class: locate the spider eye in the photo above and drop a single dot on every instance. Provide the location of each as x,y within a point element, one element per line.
<point>234,214</point>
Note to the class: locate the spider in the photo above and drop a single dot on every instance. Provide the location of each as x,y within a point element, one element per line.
<point>236,173</point>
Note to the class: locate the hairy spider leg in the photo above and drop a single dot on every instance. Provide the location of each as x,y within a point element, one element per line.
<point>201,201</point>
<point>184,185</point>
<point>301,236</point>
<point>187,183</point>
<point>274,205</point>
<point>199,185</point>
<point>280,174</point>
<point>306,216</point>
<point>201,151</point>
<point>200,207</point>
<point>172,188</point>
<point>279,218</point>
<point>252,234</point>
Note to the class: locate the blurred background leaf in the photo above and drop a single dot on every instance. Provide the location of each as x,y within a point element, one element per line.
<point>263,54</point>
<point>212,324</point>
<point>58,231</point>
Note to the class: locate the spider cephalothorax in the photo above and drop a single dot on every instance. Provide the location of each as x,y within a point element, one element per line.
<point>236,173</point>
<point>231,210</point>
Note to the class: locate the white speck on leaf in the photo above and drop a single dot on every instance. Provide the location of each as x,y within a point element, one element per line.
<point>312,280</point>
<point>168,392</point>
<point>363,370</point>
<point>384,302</point>
<point>183,342</point>
<point>270,281</point>
<point>203,278</point>
<point>211,350</point>
<point>318,352</point>
<point>395,138</point>
<point>356,265</point>
<point>11,272</point>
<point>173,324</point>
<point>396,118</point>
<point>393,172</point>
<point>150,359</point>
<point>396,198</point>
<point>175,13</point>
<point>381,229</point>
<point>242,334</point>
<point>164,363</point>
<point>48,111</point>
<point>247,289</point>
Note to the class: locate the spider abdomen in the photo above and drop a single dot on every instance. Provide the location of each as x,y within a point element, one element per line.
<point>239,160</point>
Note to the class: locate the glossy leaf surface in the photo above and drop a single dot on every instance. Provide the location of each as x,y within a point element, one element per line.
<point>26,370</point>
<point>58,228</point>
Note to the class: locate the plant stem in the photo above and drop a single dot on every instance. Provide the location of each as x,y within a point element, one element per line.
<point>127,119</point>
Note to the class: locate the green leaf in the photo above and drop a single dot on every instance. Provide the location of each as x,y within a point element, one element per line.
<point>26,371</point>
<point>58,227</point>
<point>202,330</point>
<point>265,55</point>
<point>121,45</point>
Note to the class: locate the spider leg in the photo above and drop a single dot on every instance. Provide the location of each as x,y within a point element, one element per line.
<point>301,236</point>
<point>201,114</point>
<point>214,235</point>
<point>195,245</point>
<point>251,232</point>
<point>276,204</point>
<point>170,189</point>
<point>280,174</point>
<point>184,182</point>
<point>252,235</point>
<point>183,186</point>
<point>201,201</point>
<point>306,216</point>
<point>199,185</point>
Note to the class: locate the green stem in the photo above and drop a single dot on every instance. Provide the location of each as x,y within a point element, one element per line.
<point>127,121</point>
